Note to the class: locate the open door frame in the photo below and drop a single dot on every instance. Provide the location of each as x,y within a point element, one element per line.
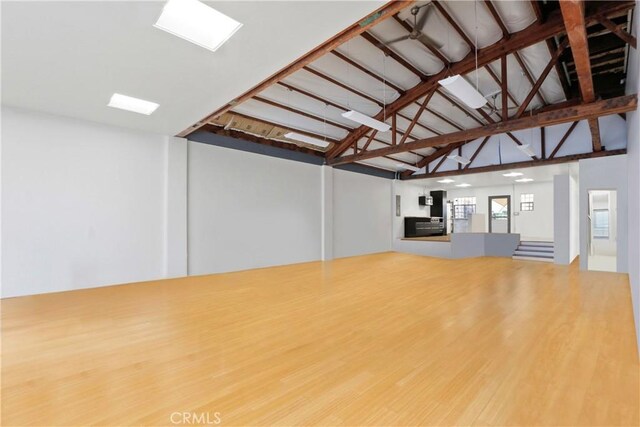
<point>508,197</point>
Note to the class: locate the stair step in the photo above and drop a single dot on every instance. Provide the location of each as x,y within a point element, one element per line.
<point>535,254</point>
<point>526,258</point>
<point>535,248</point>
<point>534,243</point>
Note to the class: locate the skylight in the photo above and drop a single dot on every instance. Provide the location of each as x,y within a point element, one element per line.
<point>130,103</point>
<point>198,23</point>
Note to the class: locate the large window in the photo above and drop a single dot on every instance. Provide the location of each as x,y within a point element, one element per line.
<point>463,207</point>
<point>526,202</point>
<point>601,223</point>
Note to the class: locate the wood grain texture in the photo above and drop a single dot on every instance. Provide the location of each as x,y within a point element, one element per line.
<point>385,339</point>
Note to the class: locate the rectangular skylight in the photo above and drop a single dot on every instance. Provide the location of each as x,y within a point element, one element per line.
<point>130,103</point>
<point>363,119</point>
<point>309,140</point>
<point>198,23</point>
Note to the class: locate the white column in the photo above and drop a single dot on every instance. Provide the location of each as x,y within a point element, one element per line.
<point>326,174</point>
<point>175,207</point>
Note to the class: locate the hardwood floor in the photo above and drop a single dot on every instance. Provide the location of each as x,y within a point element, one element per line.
<point>386,339</point>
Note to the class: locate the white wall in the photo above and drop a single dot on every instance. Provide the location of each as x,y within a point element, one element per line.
<point>633,157</point>
<point>605,173</point>
<point>249,210</point>
<point>566,219</point>
<point>409,206</point>
<point>362,211</point>
<point>536,225</point>
<point>83,204</point>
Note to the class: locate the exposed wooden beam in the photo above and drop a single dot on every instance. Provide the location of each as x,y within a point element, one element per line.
<point>392,54</point>
<point>562,75</point>
<point>517,141</point>
<point>232,133</point>
<point>344,86</point>
<point>415,119</point>
<point>595,109</point>
<point>409,28</point>
<point>594,127</point>
<point>531,35</point>
<point>448,151</point>
<point>573,15</point>
<point>519,165</point>
<point>454,24</point>
<point>543,142</point>
<point>618,31</point>
<point>563,139</point>
<point>528,75</point>
<point>367,71</point>
<point>504,88</point>
<point>499,83</point>
<point>574,20</point>
<point>496,17</point>
<point>384,12</point>
<point>301,113</point>
<point>394,130</point>
<point>373,135</point>
<point>475,153</point>
<point>286,127</point>
<point>536,87</point>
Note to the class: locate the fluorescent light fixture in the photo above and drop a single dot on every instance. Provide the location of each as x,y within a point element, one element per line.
<point>407,167</point>
<point>130,103</point>
<point>524,180</point>
<point>459,159</point>
<point>198,23</point>
<point>463,185</point>
<point>526,149</point>
<point>446,181</point>
<point>464,91</point>
<point>363,119</point>
<point>304,138</point>
<point>512,174</point>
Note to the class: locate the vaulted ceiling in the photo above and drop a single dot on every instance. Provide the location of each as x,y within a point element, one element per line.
<point>528,59</point>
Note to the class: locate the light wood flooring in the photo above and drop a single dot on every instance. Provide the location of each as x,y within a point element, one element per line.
<point>385,339</point>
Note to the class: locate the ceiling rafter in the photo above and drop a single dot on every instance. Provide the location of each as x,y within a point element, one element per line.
<point>409,28</point>
<point>595,109</point>
<point>531,35</point>
<point>618,31</point>
<point>384,12</point>
<point>563,140</point>
<point>538,84</point>
<point>282,126</point>
<point>574,20</point>
<point>301,113</point>
<point>478,150</point>
<point>391,53</point>
<point>232,133</point>
<point>330,103</point>
<point>520,165</point>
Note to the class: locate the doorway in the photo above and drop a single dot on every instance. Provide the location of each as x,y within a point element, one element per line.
<point>603,226</point>
<point>499,214</point>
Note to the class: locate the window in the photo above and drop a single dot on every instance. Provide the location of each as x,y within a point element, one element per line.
<point>526,202</point>
<point>601,223</point>
<point>463,207</point>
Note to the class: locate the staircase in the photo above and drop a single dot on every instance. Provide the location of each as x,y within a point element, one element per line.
<point>534,251</point>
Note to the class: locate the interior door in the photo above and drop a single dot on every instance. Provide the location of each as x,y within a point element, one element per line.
<point>499,214</point>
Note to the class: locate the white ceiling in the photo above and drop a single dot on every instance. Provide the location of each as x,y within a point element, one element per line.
<point>492,179</point>
<point>68,58</point>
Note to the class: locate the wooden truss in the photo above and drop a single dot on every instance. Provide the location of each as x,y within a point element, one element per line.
<point>563,30</point>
